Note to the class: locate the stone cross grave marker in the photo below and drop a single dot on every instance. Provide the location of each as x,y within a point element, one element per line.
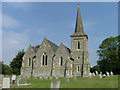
<point>6,83</point>
<point>75,78</point>
<point>55,85</point>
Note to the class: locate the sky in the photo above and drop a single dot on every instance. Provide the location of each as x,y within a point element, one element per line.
<point>25,23</point>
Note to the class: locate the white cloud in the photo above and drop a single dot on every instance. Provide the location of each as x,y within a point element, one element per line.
<point>9,22</point>
<point>12,43</point>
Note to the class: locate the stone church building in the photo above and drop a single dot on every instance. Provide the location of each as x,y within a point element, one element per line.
<point>53,60</point>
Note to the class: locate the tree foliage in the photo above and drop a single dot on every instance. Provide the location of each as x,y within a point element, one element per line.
<point>108,55</point>
<point>17,63</point>
<point>5,69</point>
<point>95,68</point>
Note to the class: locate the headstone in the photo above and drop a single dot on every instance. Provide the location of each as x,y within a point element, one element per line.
<point>111,73</point>
<point>55,84</point>
<point>107,73</point>
<point>90,75</point>
<point>24,79</point>
<point>50,78</point>
<point>67,79</point>
<point>93,74</point>
<point>28,76</point>
<point>6,83</point>
<point>100,75</point>
<point>75,78</point>
<point>13,79</point>
<point>40,77</point>
<point>96,72</point>
<point>57,78</point>
<point>103,76</point>
<point>46,78</point>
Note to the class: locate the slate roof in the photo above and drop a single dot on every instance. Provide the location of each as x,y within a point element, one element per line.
<point>54,46</point>
<point>35,49</point>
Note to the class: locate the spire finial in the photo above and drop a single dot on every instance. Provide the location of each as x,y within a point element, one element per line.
<point>78,4</point>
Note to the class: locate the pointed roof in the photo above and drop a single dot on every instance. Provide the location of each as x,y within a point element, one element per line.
<point>54,46</point>
<point>65,47</point>
<point>79,25</point>
<point>79,31</point>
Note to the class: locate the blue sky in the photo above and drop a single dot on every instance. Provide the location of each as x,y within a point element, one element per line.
<point>28,23</point>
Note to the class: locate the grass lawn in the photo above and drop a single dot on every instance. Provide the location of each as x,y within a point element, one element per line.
<point>82,82</point>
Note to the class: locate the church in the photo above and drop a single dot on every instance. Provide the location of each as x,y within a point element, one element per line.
<point>59,61</point>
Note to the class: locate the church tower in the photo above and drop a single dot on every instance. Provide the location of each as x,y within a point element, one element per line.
<point>79,49</point>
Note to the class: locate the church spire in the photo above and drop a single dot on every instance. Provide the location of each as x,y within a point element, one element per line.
<point>79,25</point>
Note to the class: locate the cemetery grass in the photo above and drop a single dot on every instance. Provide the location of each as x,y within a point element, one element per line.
<point>82,82</point>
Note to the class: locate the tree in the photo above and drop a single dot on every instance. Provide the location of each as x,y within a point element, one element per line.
<point>17,63</point>
<point>108,55</point>
<point>5,69</point>
<point>95,68</point>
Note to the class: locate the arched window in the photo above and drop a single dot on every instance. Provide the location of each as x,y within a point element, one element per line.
<point>43,60</point>
<point>46,60</point>
<point>61,61</point>
<point>29,61</point>
<point>78,69</point>
<point>78,45</point>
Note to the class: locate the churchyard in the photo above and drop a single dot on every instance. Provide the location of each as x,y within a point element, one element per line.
<point>76,82</point>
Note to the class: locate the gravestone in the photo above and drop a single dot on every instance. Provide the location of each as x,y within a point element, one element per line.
<point>24,79</point>
<point>46,78</point>
<point>50,78</point>
<point>96,72</point>
<point>107,73</point>
<point>93,74</point>
<point>13,79</point>
<point>100,75</point>
<point>103,76</point>
<point>67,79</point>
<point>90,75</point>
<point>6,83</point>
<point>57,78</point>
<point>40,77</point>
<point>55,85</point>
<point>75,78</point>
<point>111,73</point>
<point>28,76</point>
